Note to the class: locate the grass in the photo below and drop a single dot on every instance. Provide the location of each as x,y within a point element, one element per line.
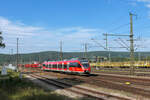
<point>13,88</point>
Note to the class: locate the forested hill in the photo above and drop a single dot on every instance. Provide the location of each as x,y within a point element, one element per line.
<point>54,55</point>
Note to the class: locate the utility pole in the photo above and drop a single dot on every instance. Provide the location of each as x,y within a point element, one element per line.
<point>131,46</point>
<point>11,51</point>
<point>11,56</point>
<point>107,49</point>
<point>109,55</point>
<point>17,53</point>
<point>139,56</point>
<point>39,58</point>
<point>85,50</point>
<point>61,53</point>
<point>106,39</point>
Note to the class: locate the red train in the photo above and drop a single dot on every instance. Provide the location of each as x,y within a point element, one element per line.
<point>73,66</point>
<point>32,65</point>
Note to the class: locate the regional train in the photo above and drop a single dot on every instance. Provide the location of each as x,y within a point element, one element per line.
<point>72,66</point>
<point>69,66</point>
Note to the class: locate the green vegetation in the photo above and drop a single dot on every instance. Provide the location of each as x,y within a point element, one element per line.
<point>54,55</point>
<point>13,88</point>
<point>2,45</point>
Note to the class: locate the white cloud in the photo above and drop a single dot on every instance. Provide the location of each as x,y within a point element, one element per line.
<point>147,2</point>
<point>12,28</point>
<point>148,5</point>
<point>33,39</point>
<point>143,0</point>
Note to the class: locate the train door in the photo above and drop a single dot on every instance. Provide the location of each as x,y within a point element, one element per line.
<point>48,66</point>
<point>78,67</point>
<point>51,66</point>
<point>57,66</point>
<point>65,66</point>
<point>72,66</point>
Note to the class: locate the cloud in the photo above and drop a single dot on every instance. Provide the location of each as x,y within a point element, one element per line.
<point>72,37</point>
<point>148,5</point>
<point>146,2</point>
<point>12,28</point>
<point>34,39</point>
<point>143,0</point>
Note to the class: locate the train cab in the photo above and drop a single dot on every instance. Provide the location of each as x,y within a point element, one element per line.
<point>86,66</point>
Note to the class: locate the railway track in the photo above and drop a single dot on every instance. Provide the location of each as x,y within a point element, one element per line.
<point>78,90</point>
<point>132,80</point>
<point>142,73</point>
<point>112,82</point>
<point>142,78</point>
<point>115,83</point>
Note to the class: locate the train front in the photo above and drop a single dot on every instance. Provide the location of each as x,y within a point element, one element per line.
<point>86,66</point>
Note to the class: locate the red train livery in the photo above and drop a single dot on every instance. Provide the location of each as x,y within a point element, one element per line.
<point>32,65</point>
<point>73,66</point>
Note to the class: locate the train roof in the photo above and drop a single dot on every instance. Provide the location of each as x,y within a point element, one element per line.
<point>65,61</point>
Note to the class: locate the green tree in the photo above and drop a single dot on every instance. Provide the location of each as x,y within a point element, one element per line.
<point>2,45</point>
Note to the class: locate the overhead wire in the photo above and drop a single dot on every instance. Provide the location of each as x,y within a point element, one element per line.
<point>119,27</point>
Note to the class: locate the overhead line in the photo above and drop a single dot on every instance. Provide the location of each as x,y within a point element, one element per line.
<point>112,30</point>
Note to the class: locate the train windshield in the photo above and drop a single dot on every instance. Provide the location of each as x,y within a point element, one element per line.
<point>85,64</point>
<point>74,64</point>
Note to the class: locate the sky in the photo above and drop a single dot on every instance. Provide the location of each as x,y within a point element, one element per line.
<point>40,25</point>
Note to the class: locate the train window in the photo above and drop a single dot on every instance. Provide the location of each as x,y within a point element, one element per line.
<point>60,66</point>
<point>52,65</point>
<point>79,66</point>
<point>65,65</point>
<point>75,64</point>
<point>55,66</point>
<point>71,65</point>
<point>86,65</point>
